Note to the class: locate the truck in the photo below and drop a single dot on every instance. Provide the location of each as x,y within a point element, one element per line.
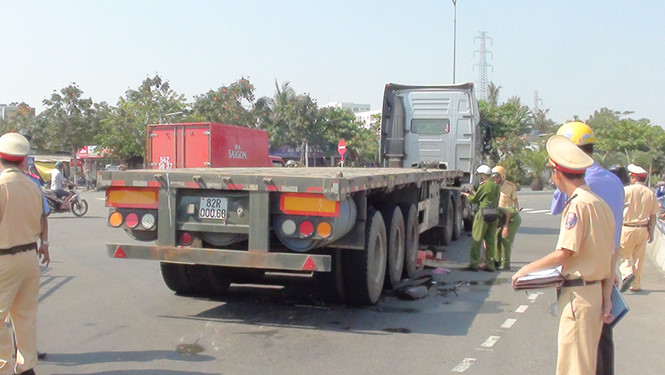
<point>357,231</point>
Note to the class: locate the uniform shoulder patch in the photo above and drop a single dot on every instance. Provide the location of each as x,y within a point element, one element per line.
<point>571,220</point>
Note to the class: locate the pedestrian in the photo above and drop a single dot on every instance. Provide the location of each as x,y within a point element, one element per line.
<point>509,205</point>
<point>21,226</point>
<point>485,221</point>
<point>608,187</point>
<point>639,220</point>
<point>585,235</point>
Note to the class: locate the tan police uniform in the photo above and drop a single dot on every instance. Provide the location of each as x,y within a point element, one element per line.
<point>508,195</point>
<point>20,227</point>
<point>641,203</point>
<point>587,230</point>
<point>587,227</point>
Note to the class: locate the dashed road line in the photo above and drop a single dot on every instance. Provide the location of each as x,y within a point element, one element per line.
<point>464,365</point>
<point>508,323</point>
<point>490,341</point>
<point>522,309</point>
<point>536,211</point>
<point>533,296</point>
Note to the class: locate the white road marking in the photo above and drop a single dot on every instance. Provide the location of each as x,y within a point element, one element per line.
<point>101,199</point>
<point>537,211</point>
<point>490,341</point>
<point>532,296</point>
<point>508,323</point>
<point>527,209</point>
<point>464,365</point>
<point>522,309</point>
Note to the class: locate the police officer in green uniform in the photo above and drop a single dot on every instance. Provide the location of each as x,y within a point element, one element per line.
<point>485,221</point>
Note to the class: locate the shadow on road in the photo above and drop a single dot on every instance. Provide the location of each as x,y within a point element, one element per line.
<point>77,359</point>
<point>144,372</point>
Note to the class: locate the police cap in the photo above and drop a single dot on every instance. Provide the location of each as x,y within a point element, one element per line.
<point>637,170</point>
<point>565,156</point>
<point>14,147</point>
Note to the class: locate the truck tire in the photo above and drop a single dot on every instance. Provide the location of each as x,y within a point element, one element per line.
<point>218,279</point>
<point>412,241</point>
<point>443,235</point>
<point>184,278</point>
<point>365,270</point>
<point>396,241</point>
<point>458,225</point>
<point>331,284</point>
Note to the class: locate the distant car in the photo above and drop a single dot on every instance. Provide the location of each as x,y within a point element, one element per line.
<point>112,167</point>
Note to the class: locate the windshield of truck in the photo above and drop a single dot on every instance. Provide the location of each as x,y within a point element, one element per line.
<point>430,126</point>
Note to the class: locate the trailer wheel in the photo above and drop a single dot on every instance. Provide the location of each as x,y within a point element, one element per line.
<point>395,232</point>
<point>331,284</point>
<point>458,225</point>
<point>412,241</point>
<point>443,235</point>
<point>183,278</point>
<point>218,279</point>
<point>365,270</point>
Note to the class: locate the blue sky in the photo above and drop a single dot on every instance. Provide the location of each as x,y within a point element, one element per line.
<point>579,55</point>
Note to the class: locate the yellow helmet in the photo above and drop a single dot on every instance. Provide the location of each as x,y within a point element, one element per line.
<point>580,133</point>
<point>500,170</point>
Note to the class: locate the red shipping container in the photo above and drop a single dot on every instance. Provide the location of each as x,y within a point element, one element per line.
<point>205,145</point>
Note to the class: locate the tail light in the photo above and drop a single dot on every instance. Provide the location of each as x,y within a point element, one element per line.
<point>115,219</point>
<point>132,220</point>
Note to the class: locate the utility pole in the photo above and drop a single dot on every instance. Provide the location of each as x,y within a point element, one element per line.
<point>454,35</point>
<point>482,64</point>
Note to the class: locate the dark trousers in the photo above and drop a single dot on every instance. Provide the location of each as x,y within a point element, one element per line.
<point>605,362</point>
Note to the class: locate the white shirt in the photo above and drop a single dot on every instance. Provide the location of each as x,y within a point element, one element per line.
<point>57,179</point>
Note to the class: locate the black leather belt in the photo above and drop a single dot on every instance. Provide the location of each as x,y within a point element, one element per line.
<point>18,249</point>
<point>636,225</point>
<point>578,282</point>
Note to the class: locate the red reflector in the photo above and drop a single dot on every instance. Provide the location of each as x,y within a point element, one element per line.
<point>306,228</point>
<point>132,220</point>
<point>120,253</point>
<point>185,239</point>
<point>309,265</point>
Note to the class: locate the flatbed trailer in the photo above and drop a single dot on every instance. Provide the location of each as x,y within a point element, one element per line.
<point>356,229</point>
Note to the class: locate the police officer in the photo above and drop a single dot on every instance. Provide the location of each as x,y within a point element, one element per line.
<point>485,221</point>
<point>509,218</point>
<point>639,219</point>
<point>609,187</point>
<point>585,235</point>
<point>21,215</point>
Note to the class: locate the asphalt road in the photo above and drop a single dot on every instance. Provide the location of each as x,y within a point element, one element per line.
<point>106,316</point>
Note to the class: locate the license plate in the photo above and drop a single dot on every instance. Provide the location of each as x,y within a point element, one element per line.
<point>213,208</point>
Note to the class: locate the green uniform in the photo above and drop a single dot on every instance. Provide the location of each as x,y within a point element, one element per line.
<point>505,243</point>
<point>486,195</point>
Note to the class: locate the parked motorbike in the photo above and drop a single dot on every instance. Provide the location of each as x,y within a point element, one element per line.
<point>77,205</point>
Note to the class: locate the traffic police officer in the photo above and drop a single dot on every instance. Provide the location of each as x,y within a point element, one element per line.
<point>585,235</point>
<point>21,214</point>
<point>639,219</point>
<point>608,187</point>
<point>509,213</point>
<point>485,221</point>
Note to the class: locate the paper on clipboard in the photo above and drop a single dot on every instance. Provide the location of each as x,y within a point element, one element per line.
<point>547,278</point>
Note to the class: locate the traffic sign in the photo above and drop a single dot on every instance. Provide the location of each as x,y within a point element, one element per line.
<point>341,148</point>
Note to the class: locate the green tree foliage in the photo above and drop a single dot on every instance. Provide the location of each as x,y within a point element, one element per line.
<point>534,160</point>
<point>228,104</point>
<point>68,122</point>
<point>123,128</point>
<point>21,121</point>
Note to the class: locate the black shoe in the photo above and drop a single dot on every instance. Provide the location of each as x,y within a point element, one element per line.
<point>471,268</point>
<point>497,264</point>
<point>487,269</point>
<point>41,355</point>
<point>29,372</point>
<point>625,284</point>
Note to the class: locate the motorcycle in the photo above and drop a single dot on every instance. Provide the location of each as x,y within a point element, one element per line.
<point>77,205</point>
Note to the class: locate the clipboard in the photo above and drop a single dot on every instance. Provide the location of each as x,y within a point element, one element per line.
<point>619,306</point>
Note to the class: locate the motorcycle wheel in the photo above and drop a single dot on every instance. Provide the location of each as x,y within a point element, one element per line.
<point>79,208</point>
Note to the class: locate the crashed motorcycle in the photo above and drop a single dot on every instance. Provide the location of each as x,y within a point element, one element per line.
<point>77,205</point>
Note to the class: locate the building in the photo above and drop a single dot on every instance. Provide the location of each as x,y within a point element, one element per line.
<point>353,107</point>
<point>367,117</point>
<point>6,110</point>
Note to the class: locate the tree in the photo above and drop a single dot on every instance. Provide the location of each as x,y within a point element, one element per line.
<point>124,127</point>
<point>535,160</point>
<point>68,122</point>
<point>493,94</point>
<point>228,104</point>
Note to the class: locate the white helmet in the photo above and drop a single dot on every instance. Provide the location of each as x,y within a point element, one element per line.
<point>484,169</point>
